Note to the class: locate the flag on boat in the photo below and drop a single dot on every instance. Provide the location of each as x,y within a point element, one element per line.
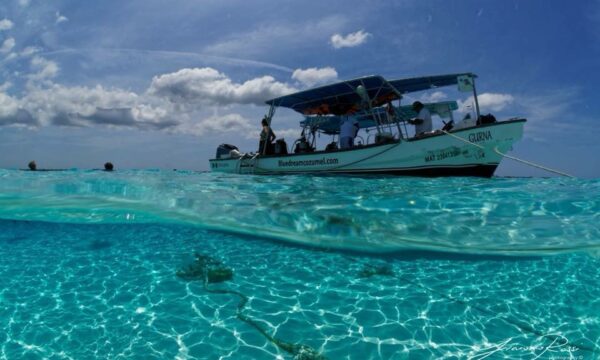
<point>465,83</point>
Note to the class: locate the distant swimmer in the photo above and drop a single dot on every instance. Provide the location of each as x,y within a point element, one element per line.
<point>108,166</point>
<point>32,166</point>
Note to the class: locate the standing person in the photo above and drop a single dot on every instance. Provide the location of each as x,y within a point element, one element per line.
<point>348,131</point>
<point>267,136</point>
<point>422,122</point>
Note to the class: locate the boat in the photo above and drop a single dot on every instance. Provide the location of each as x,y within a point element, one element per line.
<point>473,146</point>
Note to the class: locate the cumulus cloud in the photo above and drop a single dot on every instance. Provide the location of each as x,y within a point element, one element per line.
<point>435,96</point>
<point>86,106</point>
<point>314,76</point>
<point>487,102</point>
<point>178,102</point>
<point>209,86</point>
<point>8,105</point>
<point>42,69</point>
<point>126,117</point>
<point>60,18</point>
<point>7,45</point>
<point>290,134</point>
<point>350,40</point>
<point>10,111</point>
<point>6,24</point>
<point>233,122</point>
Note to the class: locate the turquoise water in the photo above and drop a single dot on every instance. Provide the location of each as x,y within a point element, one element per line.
<point>341,267</point>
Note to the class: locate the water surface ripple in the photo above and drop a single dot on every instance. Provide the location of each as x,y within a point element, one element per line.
<point>509,216</point>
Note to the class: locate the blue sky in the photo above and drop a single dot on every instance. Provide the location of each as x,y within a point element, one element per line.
<point>156,84</point>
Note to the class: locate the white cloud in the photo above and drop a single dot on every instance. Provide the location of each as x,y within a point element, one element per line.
<point>289,134</point>
<point>435,96</point>
<point>218,124</point>
<point>314,76</point>
<point>43,69</point>
<point>60,18</point>
<point>7,45</point>
<point>89,106</point>
<point>51,103</point>
<point>174,102</point>
<point>6,24</point>
<point>8,105</point>
<point>11,112</point>
<point>24,3</point>
<point>487,102</point>
<point>208,86</point>
<point>351,40</point>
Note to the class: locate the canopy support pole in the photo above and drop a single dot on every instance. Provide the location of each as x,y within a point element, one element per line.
<point>271,113</point>
<point>396,119</point>
<point>370,108</point>
<point>476,101</point>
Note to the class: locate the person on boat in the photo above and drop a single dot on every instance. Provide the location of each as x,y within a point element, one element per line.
<point>265,145</point>
<point>348,131</point>
<point>422,122</point>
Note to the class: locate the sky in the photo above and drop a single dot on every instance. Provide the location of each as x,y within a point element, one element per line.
<point>157,84</point>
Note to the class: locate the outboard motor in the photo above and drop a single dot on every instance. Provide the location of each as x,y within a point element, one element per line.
<point>224,151</point>
<point>235,154</point>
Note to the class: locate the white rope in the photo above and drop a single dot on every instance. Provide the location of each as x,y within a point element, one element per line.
<point>510,157</point>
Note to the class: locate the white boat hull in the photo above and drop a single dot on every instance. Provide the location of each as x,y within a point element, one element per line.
<point>437,155</point>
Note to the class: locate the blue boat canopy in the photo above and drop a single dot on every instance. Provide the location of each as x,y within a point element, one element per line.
<point>427,82</point>
<point>340,98</point>
<point>353,96</point>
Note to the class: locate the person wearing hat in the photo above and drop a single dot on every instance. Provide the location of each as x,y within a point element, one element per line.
<point>422,122</point>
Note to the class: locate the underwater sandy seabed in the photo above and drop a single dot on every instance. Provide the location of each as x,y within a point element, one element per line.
<point>112,291</point>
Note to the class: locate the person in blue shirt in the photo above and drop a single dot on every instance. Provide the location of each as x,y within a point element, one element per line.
<point>348,131</point>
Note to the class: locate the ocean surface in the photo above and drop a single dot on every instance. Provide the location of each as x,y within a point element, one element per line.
<point>187,265</point>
